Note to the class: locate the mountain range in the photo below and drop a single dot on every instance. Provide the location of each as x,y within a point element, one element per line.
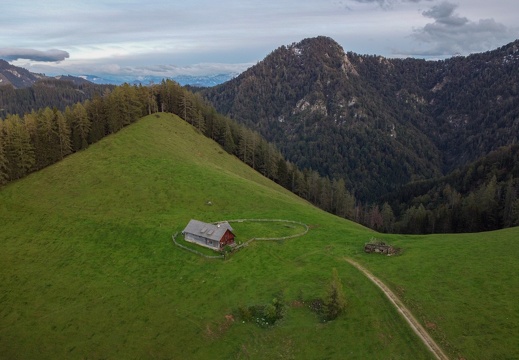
<point>21,78</point>
<point>191,80</point>
<point>379,123</point>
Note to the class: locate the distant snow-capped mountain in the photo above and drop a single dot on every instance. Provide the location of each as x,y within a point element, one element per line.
<point>21,78</point>
<point>193,80</point>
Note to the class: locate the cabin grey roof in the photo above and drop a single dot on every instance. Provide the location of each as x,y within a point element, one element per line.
<point>209,231</point>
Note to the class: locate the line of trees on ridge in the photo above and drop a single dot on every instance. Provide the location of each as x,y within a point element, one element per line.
<point>43,137</point>
<point>40,138</point>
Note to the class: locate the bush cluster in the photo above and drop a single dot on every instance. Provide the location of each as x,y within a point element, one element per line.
<point>263,315</point>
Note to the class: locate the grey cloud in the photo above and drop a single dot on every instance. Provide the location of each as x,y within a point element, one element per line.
<point>450,33</point>
<point>444,14</point>
<point>441,11</point>
<point>53,55</point>
<point>387,3</point>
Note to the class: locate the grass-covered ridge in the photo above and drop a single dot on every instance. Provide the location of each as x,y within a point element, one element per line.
<point>88,268</point>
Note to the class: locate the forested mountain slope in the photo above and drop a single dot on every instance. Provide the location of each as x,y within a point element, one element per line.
<point>378,123</point>
<point>480,196</point>
<point>15,76</point>
<point>468,106</point>
<point>22,91</point>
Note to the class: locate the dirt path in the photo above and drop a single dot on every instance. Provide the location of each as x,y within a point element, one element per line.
<point>411,320</point>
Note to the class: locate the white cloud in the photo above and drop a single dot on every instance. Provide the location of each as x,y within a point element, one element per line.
<point>165,71</point>
<point>137,35</point>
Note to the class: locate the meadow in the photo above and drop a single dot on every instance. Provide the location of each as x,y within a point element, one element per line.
<point>89,270</point>
<point>463,288</point>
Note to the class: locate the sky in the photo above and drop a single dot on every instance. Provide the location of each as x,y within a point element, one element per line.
<point>199,37</point>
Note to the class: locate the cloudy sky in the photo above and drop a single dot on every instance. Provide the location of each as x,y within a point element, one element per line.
<point>203,36</point>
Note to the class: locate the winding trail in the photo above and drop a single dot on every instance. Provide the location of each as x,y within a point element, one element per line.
<point>411,320</point>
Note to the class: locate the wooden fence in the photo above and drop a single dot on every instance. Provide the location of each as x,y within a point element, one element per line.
<point>250,240</point>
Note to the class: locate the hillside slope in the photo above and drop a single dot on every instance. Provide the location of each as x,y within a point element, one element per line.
<point>89,269</point>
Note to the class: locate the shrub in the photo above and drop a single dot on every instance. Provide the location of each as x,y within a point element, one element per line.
<point>263,315</point>
<point>244,313</point>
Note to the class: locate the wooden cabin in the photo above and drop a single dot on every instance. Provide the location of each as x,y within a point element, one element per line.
<point>213,236</point>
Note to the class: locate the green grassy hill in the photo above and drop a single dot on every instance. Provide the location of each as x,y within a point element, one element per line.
<point>88,268</point>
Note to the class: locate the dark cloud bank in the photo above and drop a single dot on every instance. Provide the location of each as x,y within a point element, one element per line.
<point>53,55</point>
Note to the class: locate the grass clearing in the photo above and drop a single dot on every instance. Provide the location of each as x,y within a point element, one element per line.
<point>461,287</point>
<point>271,229</point>
<point>88,267</point>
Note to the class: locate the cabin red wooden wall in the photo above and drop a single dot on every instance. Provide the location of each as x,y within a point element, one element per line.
<point>227,238</point>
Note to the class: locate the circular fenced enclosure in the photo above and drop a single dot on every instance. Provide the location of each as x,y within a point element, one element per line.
<point>267,229</point>
<point>248,230</point>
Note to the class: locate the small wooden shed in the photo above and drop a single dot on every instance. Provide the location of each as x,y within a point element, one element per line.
<point>214,236</point>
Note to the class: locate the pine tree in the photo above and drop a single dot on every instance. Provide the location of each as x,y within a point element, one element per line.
<point>213,125</point>
<point>199,121</point>
<point>4,177</point>
<point>30,121</point>
<point>115,111</point>
<point>282,173</point>
<point>334,302</point>
<point>271,158</point>
<point>98,116</point>
<point>49,150</point>
<point>81,125</point>
<point>515,213</point>
<point>185,107</point>
<point>376,221</point>
<point>388,218</point>
<point>339,191</point>
<point>508,208</point>
<point>301,186</point>
<point>314,187</point>
<point>18,148</point>
<point>245,146</point>
<point>326,196</point>
<point>65,145</point>
<point>228,140</point>
<point>487,198</point>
